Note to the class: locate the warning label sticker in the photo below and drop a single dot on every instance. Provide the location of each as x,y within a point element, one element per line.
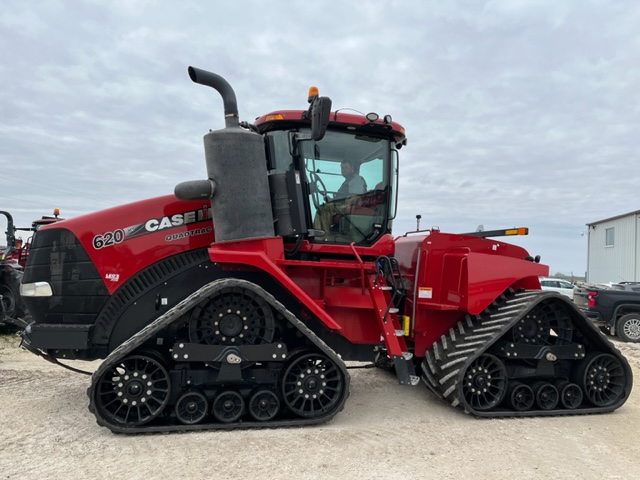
<point>425,292</point>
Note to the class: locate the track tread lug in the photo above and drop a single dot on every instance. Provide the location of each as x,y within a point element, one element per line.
<point>449,391</point>
<point>448,376</point>
<point>436,352</point>
<point>431,363</point>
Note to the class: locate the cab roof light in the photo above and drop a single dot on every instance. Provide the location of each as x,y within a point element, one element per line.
<point>274,116</point>
<point>372,117</point>
<point>313,92</point>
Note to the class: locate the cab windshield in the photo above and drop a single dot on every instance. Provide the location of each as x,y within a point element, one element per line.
<point>348,180</point>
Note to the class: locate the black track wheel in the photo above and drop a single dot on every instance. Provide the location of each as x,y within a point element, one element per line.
<point>191,408</point>
<point>628,327</point>
<point>548,323</point>
<point>134,391</point>
<point>234,316</point>
<point>312,385</point>
<point>547,396</point>
<point>264,405</point>
<point>520,396</point>
<point>602,377</point>
<point>570,395</point>
<point>10,290</point>
<point>228,406</point>
<point>484,383</point>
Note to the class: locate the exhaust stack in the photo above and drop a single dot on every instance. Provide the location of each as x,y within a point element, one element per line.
<point>218,83</point>
<point>237,179</point>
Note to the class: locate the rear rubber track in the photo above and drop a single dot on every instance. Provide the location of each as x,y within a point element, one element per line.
<point>484,339</point>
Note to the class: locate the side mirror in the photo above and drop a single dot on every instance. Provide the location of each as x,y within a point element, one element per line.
<point>320,113</point>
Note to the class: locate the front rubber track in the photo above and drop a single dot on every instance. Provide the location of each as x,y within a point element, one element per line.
<point>176,315</point>
<point>475,341</point>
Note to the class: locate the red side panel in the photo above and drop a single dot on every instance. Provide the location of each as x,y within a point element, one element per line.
<point>335,291</point>
<point>451,275</point>
<point>123,240</point>
<point>263,253</point>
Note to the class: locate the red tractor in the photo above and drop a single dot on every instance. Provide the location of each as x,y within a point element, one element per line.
<point>11,305</point>
<point>13,260</point>
<point>235,302</point>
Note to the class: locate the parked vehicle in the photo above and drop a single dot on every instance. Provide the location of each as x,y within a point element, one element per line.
<point>13,259</point>
<point>559,285</point>
<point>11,305</point>
<point>616,310</point>
<point>236,302</point>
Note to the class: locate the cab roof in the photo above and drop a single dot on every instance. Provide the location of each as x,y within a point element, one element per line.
<point>340,120</point>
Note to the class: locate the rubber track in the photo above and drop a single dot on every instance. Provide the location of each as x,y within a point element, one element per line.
<point>447,360</point>
<point>174,315</point>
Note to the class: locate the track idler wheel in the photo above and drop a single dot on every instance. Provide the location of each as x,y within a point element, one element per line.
<point>520,396</point>
<point>228,406</point>
<point>602,378</point>
<point>485,382</point>
<point>547,395</point>
<point>570,395</point>
<point>134,391</point>
<point>264,405</point>
<point>191,408</point>
<point>312,385</point>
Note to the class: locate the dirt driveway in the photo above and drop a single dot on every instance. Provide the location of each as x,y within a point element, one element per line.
<point>385,432</point>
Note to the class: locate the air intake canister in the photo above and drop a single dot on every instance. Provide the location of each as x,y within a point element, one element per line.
<point>241,206</point>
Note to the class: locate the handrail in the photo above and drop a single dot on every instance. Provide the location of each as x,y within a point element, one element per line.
<point>355,252</point>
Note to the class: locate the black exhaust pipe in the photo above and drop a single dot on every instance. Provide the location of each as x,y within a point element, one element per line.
<point>218,83</point>
<point>10,233</point>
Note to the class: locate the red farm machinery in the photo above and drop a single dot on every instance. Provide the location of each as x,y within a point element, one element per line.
<point>13,259</point>
<point>236,301</point>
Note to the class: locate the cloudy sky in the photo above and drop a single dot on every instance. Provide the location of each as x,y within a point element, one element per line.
<point>517,112</point>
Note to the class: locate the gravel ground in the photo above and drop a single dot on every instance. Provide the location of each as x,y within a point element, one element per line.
<point>385,431</point>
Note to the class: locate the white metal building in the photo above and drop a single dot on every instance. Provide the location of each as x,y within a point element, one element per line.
<point>613,251</point>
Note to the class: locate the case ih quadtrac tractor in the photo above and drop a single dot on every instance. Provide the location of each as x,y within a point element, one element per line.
<point>236,301</point>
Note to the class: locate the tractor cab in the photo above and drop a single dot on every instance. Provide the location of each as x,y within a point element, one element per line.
<point>323,181</point>
<point>339,188</point>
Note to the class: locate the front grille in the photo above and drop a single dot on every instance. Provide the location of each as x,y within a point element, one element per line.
<point>57,257</point>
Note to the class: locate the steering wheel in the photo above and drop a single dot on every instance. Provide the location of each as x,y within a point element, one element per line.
<point>318,189</point>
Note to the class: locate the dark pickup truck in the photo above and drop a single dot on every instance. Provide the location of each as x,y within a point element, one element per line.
<point>614,309</point>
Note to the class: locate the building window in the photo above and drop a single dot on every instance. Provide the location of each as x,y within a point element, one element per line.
<point>609,236</point>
